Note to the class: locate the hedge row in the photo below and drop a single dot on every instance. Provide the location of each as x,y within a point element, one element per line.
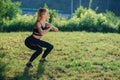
<point>83,19</point>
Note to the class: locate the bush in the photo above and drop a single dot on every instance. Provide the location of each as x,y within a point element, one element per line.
<point>83,19</point>
<point>53,14</point>
<point>9,9</point>
<point>89,20</point>
<point>118,27</point>
<point>79,11</point>
<point>73,24</point>
<point>20,23</point>
<point>60,22</point>
<point>112,19</point>
<point>110,16</point>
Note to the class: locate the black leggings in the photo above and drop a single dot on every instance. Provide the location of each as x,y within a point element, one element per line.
<point>36,44</point>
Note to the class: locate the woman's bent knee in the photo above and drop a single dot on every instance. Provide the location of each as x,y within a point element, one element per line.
<point>51,47</point>
<point>39,50</point>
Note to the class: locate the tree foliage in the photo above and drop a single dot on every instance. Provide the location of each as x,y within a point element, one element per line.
<point>9,9</point>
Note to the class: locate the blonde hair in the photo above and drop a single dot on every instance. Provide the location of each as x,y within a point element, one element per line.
<point>41,12</point>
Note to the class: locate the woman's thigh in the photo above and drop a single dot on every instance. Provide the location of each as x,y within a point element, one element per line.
<point>44,43</point>
<point>32,43</point>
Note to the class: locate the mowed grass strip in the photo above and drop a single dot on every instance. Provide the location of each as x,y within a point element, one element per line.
<point>76,56</point>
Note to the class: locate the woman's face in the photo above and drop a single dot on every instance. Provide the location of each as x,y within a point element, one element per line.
<point>46,15</point>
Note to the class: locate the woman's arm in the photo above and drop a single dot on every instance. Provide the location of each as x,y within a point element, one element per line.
<point>52,27</point>
<point>42,32</point>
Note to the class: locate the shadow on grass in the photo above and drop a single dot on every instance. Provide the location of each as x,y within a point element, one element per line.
<point>2,65</point>
<point>27,76</point>
<point>40,70</point>
<point>2,70</point>
<point>24,76</point>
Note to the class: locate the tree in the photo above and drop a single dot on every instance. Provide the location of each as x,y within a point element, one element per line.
<point>8,10</point>
<point>2,11</point>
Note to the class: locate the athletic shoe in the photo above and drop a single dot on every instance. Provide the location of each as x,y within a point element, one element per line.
<point>29,65</point>
<point>44,60</point>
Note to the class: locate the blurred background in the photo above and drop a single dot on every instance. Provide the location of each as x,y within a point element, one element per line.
<point>66,7</point>
<point>68,15</point>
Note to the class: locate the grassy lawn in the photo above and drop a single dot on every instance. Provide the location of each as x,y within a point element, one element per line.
<point>76,56</point>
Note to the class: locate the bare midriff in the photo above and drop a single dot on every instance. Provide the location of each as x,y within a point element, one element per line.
<point>37,37</point>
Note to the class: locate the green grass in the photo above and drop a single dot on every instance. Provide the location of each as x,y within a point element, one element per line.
<point>76,56</point>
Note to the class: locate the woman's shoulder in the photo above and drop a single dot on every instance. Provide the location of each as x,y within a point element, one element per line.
<point>37,24</point>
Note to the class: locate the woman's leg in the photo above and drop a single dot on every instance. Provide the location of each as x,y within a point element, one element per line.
<point>37,53</point>
<point>48,47</point>
<point>33,44</point>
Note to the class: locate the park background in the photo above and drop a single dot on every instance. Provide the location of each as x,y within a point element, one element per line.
<point>87,47</point>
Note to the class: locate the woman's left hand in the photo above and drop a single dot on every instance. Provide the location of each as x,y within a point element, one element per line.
<point>52,27</point>
<point>55,29</point>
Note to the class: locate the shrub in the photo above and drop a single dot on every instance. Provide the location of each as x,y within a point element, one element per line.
<point>118,28</point>
<point>83,19</point>
<point>112,19</point>
<point>88,20</point>
<point>91,21</point>
<point>60,22</point>
<point>73,24</point>
<point>20,23</point>
<point>9,9</point>
<point>79,11</point>
<point>53,14</point>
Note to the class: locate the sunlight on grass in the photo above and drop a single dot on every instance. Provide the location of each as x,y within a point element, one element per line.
<point>76,56</point>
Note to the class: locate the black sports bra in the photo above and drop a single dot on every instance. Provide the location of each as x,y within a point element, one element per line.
<point>36,32</point>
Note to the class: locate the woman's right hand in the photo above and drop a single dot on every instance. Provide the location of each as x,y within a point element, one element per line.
<point>52,27</point>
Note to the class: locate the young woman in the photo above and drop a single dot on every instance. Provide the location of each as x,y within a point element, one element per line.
<point>34,41</point>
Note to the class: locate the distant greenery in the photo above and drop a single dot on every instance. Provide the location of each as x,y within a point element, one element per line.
<point>89,20</point>
<point>8,10</point>
<point>76,56</point>
<point>52,12</point>
<point>20,23</point>
<point>83,20</point>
